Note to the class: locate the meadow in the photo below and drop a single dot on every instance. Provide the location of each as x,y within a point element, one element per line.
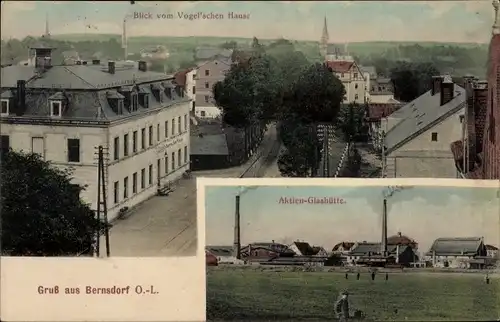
<point>234,294</point>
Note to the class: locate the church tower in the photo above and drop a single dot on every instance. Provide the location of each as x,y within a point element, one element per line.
<point>47,32</point>
<point>323,46</point>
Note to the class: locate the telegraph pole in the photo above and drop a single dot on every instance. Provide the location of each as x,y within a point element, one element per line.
<point>102,209</point>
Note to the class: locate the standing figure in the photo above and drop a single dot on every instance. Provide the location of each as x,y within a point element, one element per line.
<point>346,275</point>
<point>386,276</point>
<point>357,276</point>
<point>342,307</point>
<point>487,279</point>
<point>373,276</point>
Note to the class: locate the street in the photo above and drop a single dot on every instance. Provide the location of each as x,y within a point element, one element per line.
<point>166,225</point>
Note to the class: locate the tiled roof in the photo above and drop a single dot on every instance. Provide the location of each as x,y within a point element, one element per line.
<point>421,114</point>
<point>456,246</point>
<point>376,111</point>
<point>340,66</point>
<point>345,245</point>
<point>400,240</point>
<point>180,77</point>
<point>78,77</point>
<point>220,250</point>
<point>491,247</point>
<point>305,248</point>
<point>209,145</point>
<point>369,249</point>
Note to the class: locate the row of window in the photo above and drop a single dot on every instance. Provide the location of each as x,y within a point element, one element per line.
<point>55,108</point>
<point>176,161</point>
<point>37,146</point>
<point>174,128</point>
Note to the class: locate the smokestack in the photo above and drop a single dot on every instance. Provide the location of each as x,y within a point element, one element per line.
<point>237,241</point>
<point>384,229</point>
<point>111,67</point>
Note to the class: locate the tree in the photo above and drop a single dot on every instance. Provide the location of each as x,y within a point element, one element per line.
<point>411,80</point>
<point>229,45</point>
<point>351,122</point>
<point>42,214</point>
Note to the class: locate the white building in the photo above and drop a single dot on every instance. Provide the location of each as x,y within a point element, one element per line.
<point>457,252</point>
<point>224,255</point>
<point>418,136</point>
<point>65,112</point>
<point>352,78</point>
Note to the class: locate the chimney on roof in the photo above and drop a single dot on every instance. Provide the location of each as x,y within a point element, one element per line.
<point>143,66</point>
<point>111,67</point>
<point>21,97</point>
<point>436,84</point>
<point>447,88</point>
<point>468,79</point>
<point>43,57</point>
<point>96,62</point>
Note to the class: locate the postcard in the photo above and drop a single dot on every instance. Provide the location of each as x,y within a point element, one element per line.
<point>377,250</point>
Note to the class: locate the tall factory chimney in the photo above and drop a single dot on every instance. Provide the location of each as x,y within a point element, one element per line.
<point>124,39</point>
<point>383,244</point>
<point>237,236</point>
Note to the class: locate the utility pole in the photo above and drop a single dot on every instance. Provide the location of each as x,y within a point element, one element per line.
<point>102,209</point>
<point>382,140</point>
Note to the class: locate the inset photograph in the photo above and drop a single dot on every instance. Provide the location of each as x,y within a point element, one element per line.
<point>368,252</point>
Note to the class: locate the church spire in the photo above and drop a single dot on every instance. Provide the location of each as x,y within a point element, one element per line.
<point>496,24</point>
<point>47,32</point>
<point>323,47</point>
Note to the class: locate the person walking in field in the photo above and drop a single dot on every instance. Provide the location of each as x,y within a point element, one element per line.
<point>342,307</point>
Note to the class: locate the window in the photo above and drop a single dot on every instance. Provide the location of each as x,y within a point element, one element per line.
<point>185,154</point>
<point>203,114</point>
<point>55,109</point>
<point>146,100</point>
<point>125,145</point>
<point>166,164</point>
<point>134,183</point>
<point>134,142</point>
<point>379,89</point>
<point>150,178</point>
<point>158,132</point>
<point>143,139</point>
<point>185,122</point>
<point>73,150</point>
<point>5,107</point>
<point>462,118</point>
<point>166,129</point>
<point>194,106</point>
<point>37,146</point>
<point>194,90</point>
<point>434,136</point>
<point>207,85</point>
<point>207,98</point>
<point>4,144</point>
<point>173,127</point>
<point>207,72</point>
<point>125,188</point>
<point>143,178</point>
<point>341,74</point>
<point>179,161</point>
<point>355,75</point>
<point>116,151</point>
<point>179,124</point>
<point>356,86</point>
<point>173,162</point>
<point>150,135</point>
<point>116,191</point>
<point>356,96</point>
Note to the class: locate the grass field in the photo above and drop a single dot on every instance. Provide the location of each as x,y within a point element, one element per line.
<point>256,295</point>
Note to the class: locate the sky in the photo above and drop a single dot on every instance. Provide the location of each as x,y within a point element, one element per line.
<point>423,213</point>
<point>348,21</point>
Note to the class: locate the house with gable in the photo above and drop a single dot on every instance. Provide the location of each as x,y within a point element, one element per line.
<point>417,142</point>
<point>353,79</point>
<point>477,152</point>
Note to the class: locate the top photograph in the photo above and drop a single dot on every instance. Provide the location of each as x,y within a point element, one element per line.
<point>111,110</point>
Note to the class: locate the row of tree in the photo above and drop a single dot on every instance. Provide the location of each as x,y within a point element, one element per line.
<point>278,84</point>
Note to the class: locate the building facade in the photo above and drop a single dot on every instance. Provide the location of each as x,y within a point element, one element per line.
<point>418,144</point>
<point>207,75</point>
<point>353,79</point>
<point>64,113</point>
<point>466,252</point>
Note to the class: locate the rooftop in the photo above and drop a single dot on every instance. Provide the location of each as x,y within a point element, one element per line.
<point>420,114</point>
<point>456,246</point>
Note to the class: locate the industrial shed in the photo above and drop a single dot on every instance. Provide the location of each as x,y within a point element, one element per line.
<point>209,152</point>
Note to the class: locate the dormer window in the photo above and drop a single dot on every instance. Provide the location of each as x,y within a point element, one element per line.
<point>157,90</point>
<point>143,97</point>
<point>5,107</point>
<point>127,93</point>
<point>55,108</point>
<point>56,104</point>
<point>135,102</point>
<point>115,101</point>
